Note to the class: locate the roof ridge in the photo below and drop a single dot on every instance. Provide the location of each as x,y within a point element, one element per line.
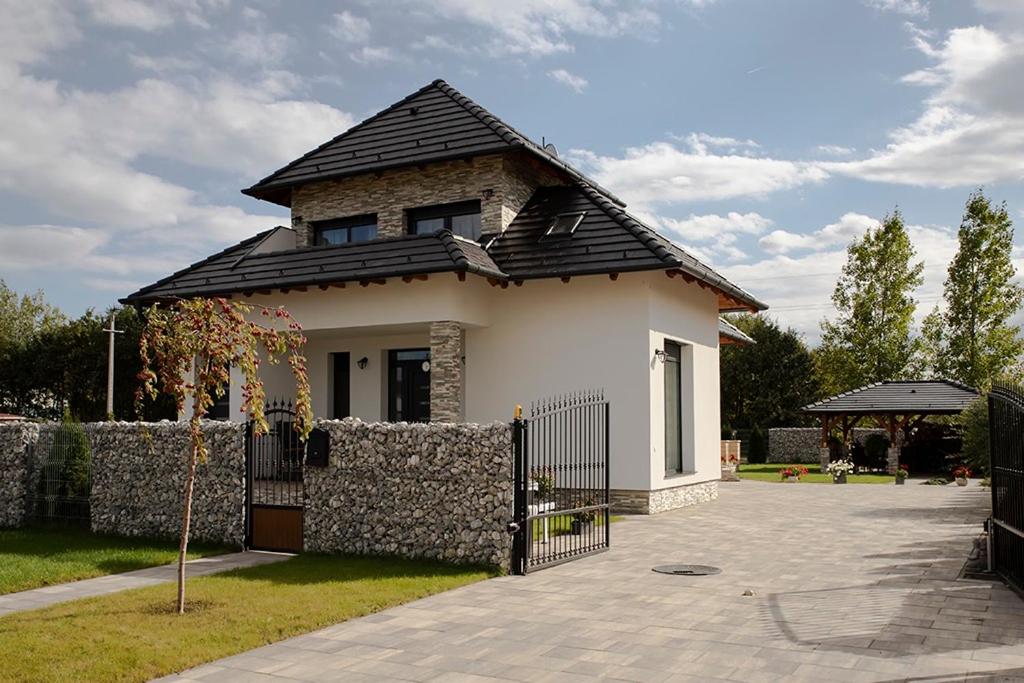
<point>452,246</point>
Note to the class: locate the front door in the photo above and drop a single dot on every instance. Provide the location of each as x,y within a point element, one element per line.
<point>409,385</point>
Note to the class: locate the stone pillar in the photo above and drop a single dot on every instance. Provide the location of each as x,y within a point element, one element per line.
<point>302,236</point>
<point>446,351</point>
<point>824,457</point>
<point>892,459</point>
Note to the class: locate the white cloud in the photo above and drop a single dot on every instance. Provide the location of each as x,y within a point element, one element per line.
<point>700,143</point>
<point>972,128</point>
<point>69,248</point>
<point>570,80</point>
<point>544,27</point>
<point>914,8</point>
<point>709,237</point>
<point>375,54</point>
<point>258,47</point>
<point>849,226</point>
<point>834,150</point>
<point>350,28</point>
<point>153,16</point>
<point>661,172</point>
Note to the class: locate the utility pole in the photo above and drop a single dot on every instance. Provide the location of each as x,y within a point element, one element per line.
<point>110,366</point>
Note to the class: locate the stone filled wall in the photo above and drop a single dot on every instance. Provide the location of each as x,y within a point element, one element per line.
<point>433,490</point>
<point>636,502</point>
<point>802,444</point>
<point>16,438</point>
<point>138,480</point>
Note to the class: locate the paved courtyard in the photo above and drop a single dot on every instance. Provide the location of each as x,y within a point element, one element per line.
<point>850,583</point>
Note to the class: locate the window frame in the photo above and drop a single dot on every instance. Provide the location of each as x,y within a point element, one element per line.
<point>347,223</point>
<point>549,234</point>
<point>673,364</point>
<point>446,212</point>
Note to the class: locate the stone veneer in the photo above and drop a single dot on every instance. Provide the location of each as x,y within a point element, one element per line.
<point>432,490</point>
<point>138,480</point>
<point>502,183</point>
<point>661,500</point>
<point>16,439</point>
<point>447,348</point>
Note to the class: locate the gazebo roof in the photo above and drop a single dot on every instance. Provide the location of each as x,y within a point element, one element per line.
<point>919,397</point>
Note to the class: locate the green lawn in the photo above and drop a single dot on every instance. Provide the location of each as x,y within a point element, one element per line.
<point>30,558</point>
<point>770,472</point>
<point>135,635</point>
<point>562,524</point>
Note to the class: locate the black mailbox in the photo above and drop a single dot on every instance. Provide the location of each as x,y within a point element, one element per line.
<point>318,448</point>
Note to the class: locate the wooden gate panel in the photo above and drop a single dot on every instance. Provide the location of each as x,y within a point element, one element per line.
<point>277,528</point>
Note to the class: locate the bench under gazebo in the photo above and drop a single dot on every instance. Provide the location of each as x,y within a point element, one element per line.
<point>896,406</point>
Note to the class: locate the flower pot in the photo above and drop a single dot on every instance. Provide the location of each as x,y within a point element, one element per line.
<point>900,481</point>
<point>793,478</point>
<point>578,527</point>
<point>961,481</point>
<point>839,478</point>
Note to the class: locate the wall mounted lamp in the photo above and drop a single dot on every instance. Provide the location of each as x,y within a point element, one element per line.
<point>362,362</point>
<point>660,354</point>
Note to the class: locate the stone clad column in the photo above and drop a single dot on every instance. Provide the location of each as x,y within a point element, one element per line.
<point>446,351</point>
<point>892,458</point>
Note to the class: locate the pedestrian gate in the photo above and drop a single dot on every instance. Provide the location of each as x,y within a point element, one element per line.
<point>561,481</point>
<point>274,487</point>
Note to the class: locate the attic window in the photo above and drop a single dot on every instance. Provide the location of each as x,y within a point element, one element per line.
<point>564,225</point>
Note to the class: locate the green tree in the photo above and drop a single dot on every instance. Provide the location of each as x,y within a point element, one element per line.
<point>765,384</point>
<point>187,350</point>
<point>22,316</point>
<point>973,423</point>
<point>871,339</point>
<point>979,344</point>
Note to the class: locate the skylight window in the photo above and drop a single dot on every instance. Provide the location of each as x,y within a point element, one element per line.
<point>564,225</point>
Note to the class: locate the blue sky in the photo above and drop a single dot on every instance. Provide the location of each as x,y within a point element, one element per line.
<point>761,135</point>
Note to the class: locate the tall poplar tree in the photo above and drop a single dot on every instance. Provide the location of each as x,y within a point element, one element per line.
<point>979,343</point>
<point>871,339</point>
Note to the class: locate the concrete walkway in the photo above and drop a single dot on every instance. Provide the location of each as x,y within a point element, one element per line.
<point>112,583</point>
<point>850,583</point>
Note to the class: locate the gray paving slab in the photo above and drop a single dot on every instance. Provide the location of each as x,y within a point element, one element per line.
<point>851,583</point>
<point>113,583</point>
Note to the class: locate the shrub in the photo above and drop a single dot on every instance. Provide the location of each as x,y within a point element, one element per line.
<point>973,424</point>
<point>69,462</point>
<point>875,447</point>
<point>758,448</point>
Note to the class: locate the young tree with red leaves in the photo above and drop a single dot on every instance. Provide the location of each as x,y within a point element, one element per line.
<point>188,348</point>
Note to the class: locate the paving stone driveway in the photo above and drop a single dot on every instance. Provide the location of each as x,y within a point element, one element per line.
<point>851,583</point>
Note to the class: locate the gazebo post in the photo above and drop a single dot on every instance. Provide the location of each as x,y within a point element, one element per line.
<point>824,455</point>
<point>892,455</point>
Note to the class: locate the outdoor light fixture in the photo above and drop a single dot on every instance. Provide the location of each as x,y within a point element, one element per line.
<point>660,354</point>
<point>362,362</point>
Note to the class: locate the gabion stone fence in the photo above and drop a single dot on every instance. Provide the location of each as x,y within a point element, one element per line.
<point>803,444</point>
<point>435,490</point>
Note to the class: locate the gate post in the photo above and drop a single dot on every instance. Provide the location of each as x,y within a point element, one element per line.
<point>248,485</point>
<point>518,525</point>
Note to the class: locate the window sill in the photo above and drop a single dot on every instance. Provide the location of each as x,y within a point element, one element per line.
<point>679,475</point>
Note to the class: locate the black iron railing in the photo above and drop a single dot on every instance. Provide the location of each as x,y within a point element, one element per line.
<point>561,481</point>
<point>1006,453</point>
<point>60,476</point>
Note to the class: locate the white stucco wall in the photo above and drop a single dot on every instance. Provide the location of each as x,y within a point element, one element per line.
<point>530,342</point>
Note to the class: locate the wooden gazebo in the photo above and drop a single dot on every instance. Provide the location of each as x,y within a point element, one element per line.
<point>892,406</point>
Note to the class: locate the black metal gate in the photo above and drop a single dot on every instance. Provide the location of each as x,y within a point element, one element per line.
<point>561,481</point>
<point>1006,454</point>
<point>274,487</point>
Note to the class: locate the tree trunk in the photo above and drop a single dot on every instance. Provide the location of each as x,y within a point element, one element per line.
<point>185,523</point>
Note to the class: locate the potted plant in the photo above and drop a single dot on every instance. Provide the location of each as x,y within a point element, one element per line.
<point>901,475</point>
<point>793,473</point>
<point>961,474</point>
<point>839,469</point>
<point>582,519</point>
<point>729,464</point>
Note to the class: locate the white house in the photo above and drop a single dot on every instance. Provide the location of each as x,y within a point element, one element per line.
<point>445,267</point>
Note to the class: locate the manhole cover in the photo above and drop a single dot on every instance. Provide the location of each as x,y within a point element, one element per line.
<point>687,569</point>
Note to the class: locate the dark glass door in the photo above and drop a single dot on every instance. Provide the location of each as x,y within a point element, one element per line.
<point>409,385</point>
<point>673,408</point>
<point>340,403</point>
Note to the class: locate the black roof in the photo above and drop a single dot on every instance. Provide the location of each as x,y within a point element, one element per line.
<point>435,123</point>
<point>727,329</point>
<point>241,269</point>
<point>607,240</point>
<point>930,397</point>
